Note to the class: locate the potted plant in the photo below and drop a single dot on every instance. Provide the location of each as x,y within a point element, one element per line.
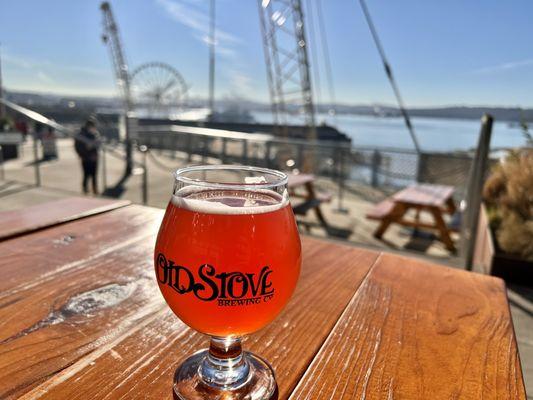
<point>508,198</point>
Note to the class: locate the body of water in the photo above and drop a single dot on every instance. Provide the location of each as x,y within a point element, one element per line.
<point>434,134</point>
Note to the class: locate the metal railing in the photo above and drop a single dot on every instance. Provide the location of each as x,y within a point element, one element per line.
<point>384,168</point>
<point>343,164</point>
<point>115,149</point>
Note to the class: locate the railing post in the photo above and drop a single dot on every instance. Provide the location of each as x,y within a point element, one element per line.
<point>376,161</point>
<point>174,145</point>
<point>104,168</point>
<point>2,171</point>
<point>300,157</point>
<point>244,151</point>
<point>475,186</point>
<point>36,160</point>
<point>268,154</point>
<point>421,167</point>
<point>144,150</point>
<point>204,148</point>
<point>223,151</point>
<point>341,183</point>
<point>189,147</point>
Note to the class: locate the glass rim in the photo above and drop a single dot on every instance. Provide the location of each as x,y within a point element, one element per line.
<point>281,177</point>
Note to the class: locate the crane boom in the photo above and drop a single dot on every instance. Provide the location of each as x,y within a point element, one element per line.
<point>111,37</point>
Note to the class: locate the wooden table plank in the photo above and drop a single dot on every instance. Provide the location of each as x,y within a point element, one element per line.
<point>425,195</point>
<point>29,260</point>
<point>29,219</point>
<point>419,331</point>
<point>64,310</point>
<point>91,360</point>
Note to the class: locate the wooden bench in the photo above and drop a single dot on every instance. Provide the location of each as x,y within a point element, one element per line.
<point>310,203</point>
<point>381,210</point>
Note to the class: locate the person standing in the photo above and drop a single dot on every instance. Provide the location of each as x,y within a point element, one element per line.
<point>87,143</point>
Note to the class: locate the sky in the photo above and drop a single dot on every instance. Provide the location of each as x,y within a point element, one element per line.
<point>453,52</point>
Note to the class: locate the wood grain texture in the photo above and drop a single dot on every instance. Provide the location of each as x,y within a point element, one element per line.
<point>419,331</point>
<point>139,361</point>
<point>29,219</point>
<point>67,299</point>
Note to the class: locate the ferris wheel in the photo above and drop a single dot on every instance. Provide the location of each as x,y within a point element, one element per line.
<point>158,86</point>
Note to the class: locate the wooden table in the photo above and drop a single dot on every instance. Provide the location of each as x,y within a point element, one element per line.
<point>81,317</point>
<point>435,199</point>
<point>29,219</point>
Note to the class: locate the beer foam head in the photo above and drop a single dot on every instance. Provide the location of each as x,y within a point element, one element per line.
<point>230,202</point>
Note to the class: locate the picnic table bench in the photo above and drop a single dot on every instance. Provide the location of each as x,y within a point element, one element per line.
<point>83,318</point>
<point>435,199</point>
<point>311,201</point>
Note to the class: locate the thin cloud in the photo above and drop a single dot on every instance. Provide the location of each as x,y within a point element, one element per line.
<point>43,77</point>
<point>504,67</point>
<point>189,14</point>
<point>29,63</point>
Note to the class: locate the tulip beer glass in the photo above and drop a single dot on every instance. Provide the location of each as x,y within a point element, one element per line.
<point>227,260</point>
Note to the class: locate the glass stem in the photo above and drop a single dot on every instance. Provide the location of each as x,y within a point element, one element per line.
<point>225,365</point>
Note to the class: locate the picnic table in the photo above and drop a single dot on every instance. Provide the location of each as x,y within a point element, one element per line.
<point>311,198</point>
<point>435,199</point>
<point>81,317</point>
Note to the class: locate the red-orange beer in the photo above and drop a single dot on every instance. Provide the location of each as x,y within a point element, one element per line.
<point>227,261</point>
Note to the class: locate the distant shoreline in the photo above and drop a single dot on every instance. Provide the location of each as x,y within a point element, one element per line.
<point>87,103</point>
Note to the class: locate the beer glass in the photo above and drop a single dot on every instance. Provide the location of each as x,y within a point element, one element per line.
<point>227,260</point>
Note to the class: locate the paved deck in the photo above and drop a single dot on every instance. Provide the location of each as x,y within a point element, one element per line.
<point>62,178</point>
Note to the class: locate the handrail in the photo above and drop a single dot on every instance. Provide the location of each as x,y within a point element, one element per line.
<point>219,133</point>
<point>35,116</point>
<point>236,135</point>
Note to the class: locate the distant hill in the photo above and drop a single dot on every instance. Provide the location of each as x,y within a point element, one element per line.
<point>88,104</point>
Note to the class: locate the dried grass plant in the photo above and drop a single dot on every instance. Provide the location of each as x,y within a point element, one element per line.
<point>508,194</point>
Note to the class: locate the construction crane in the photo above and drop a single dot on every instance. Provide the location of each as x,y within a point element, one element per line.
<point>287,62</point>
<point>111,38</point>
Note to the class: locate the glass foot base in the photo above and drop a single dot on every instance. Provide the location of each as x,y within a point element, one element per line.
<point>259,385</point>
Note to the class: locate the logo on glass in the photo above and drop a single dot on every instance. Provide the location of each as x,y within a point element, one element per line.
<point>227,288</point>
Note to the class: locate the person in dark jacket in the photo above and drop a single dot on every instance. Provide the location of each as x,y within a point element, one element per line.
<point>86,144</point>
